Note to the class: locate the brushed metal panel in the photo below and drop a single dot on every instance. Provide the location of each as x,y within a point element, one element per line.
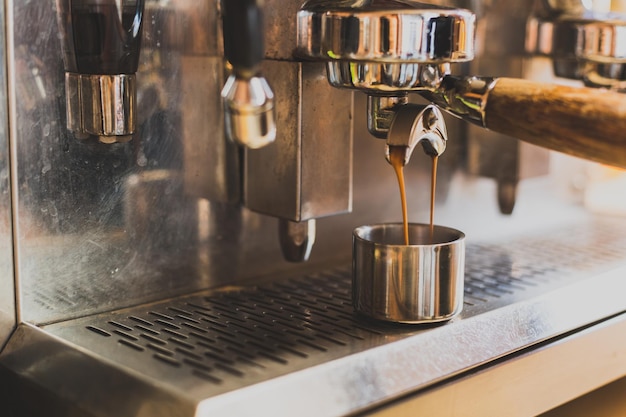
<point>212,164</point>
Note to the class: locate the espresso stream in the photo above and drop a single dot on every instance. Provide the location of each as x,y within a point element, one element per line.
<point>396,158</point>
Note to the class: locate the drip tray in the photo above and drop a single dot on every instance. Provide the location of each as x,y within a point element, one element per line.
<point>294,345</point>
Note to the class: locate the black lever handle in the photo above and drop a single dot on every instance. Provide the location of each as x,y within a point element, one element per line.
<point>98,38</point>
<point>244,44</point>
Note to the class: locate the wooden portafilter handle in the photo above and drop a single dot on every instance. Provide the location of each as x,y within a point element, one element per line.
<point>584,122</point>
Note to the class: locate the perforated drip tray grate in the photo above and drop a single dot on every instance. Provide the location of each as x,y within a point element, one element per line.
<point>227,334</point>
<point>237,337</point>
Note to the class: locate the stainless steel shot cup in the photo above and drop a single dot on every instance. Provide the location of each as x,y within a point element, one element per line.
<point>417,283</point>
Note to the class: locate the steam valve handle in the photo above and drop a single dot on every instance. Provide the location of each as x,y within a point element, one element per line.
<point>248,99</point>
<point>101,40</point>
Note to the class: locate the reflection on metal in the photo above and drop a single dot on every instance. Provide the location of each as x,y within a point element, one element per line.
<point>385,31</point>
<point>385,78</point>
<point>381,111</point>
<point>583,46</point>
<point>465,97</point>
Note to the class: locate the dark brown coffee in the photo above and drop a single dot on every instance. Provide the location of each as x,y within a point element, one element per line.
<point>396,158</point>
<point>433,186</point>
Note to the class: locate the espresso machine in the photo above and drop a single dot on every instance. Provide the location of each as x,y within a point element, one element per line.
<point>180,180</point>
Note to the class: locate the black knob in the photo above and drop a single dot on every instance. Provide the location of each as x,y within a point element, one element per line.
<point>243,34</point>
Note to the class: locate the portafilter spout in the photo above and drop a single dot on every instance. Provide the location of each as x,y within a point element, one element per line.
<point>393,47</point>
<point>416,124</point>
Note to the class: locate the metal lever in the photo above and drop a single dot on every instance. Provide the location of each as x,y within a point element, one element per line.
<point>248,99</point>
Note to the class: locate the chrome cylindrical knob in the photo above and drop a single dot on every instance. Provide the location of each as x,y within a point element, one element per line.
<point>101,105</point>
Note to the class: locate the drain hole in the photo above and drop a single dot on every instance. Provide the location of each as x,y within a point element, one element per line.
<point>180,311</point>
<point>228,369</point>
<point>160,349</point>
<point>140,320</point>
<point>126,335</point>
<point>197,364</point>
<point>99,331</point>
<point>167,360</point>
<point>121,326</point>
<point>161,315</point>
<point>153,339</point>
<point>131,345</point>
<point>167,324</point>
<point>175,334</point>
<point>206,376</point>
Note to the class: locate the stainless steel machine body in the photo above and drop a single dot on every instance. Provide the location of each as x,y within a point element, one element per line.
<point>7,290</point>
<point>147,278</point>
